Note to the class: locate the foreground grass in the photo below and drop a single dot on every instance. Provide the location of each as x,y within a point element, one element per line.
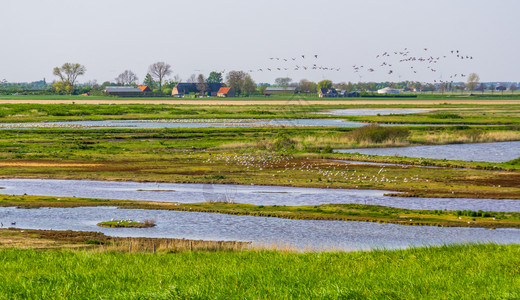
<point>449,272</point>
<point>337,212</point>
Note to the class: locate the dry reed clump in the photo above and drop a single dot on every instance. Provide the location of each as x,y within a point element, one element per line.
<point>471,136</point>
<point>149,223</point>
<point>159,245</point>
<point>97,241</point>
<point>236,146</point>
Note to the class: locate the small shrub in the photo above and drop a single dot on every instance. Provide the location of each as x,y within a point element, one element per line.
<point>377,134</point>
<point>445,116</point>
<point>94,242</point>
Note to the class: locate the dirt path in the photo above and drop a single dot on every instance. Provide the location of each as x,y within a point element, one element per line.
<point>264,102</point>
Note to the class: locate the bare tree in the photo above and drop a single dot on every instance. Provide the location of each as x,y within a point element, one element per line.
<point>192,78</point>
<point>307,86</point>
<point>159,70</point>
<point>473,80</point>
<point>202,86</point>
<point>513,88</point>
<point>69,72</point>
<point>492,88</point>
<point>481,87</point>
<point>282,81</point>
<point>126,78</point>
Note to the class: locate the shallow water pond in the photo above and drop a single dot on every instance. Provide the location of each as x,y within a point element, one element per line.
<point>258,195</point>
<point>488,152</point>
<point>296,234</point>
<point>181,123</point>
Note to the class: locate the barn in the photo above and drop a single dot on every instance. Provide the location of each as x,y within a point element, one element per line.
<point>123,91</point>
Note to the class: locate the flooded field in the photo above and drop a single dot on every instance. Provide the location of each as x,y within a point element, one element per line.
<point>489,152</point>
<point>199,123</point>
<point>294,234</point>
<point>257,195</point>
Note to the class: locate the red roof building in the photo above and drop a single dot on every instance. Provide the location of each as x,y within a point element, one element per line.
<point>226,92</point>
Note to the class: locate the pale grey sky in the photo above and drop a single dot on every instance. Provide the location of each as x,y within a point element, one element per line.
<point>200,36</point>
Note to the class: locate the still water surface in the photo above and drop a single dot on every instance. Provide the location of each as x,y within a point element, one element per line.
<point>258,195</point>
<point>489,152</point>
<point>155,124</point>
<point>299,234</point>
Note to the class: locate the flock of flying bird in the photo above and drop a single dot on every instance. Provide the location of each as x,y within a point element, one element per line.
<point>302,62</point>
<point>390,62</point>
<point>413,62</point>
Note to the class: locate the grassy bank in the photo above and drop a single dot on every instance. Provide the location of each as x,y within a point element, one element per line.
<point>450,272</point>
<point>440,114</point>
<point>336,212</point>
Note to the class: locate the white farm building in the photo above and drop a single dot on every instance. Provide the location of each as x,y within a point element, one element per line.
<point>388,90</point>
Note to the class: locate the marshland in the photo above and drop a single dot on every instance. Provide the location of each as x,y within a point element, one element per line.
<point>247,195</point>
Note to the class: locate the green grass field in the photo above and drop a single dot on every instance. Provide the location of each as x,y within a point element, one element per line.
<point>449,272</point>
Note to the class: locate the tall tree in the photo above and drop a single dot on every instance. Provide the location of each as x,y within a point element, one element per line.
<point>159,70</point>
<point>202,86</point>
<point>126,78</point>
<point>249,86</point>
<point>513,88</point>
<point>492,88</point>
<point>324,84</point>
<point>481,87</point>
<point>214,77</point>
<point>502,87</point>
<point>473,80</point>
<point>461,87</point>
<point>235,80</point>
<point>282,81</point>
<point>307,86</point>
<point>69,72</point>
<point>62,87</point>
<point>149,82</point>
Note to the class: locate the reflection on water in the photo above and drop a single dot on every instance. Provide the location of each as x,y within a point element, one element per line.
<point>489,152</point>
<point>258,195</point>
<point>299,234</point>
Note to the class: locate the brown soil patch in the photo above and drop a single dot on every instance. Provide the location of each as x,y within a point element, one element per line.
<point>266,102</point>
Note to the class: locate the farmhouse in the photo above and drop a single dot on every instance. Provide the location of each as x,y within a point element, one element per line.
<point>123,91</point>
<point>182,89</point>
<point>226,92</point>
<point>144,88</point>
<point>327,93</point>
